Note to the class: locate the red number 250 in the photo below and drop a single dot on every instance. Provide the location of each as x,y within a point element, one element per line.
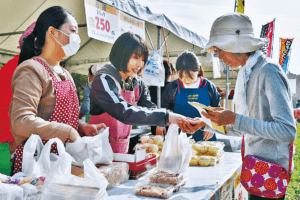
<point>104,24</point>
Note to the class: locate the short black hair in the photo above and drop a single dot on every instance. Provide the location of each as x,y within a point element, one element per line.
<point>123,48</point>
<point>168,66</point>
<point>90,70</point>
<point>187,61</point>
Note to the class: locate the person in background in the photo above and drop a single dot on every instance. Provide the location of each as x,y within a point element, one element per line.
<point>6,74</point>
<point>44,100</point>
<point>190,86</point>
<point>169,77</point>
<point>262,96</point>
<point>119,97</point>
<point>85,107</point>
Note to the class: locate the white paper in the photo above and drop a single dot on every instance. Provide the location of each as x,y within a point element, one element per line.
<point>207,121</point>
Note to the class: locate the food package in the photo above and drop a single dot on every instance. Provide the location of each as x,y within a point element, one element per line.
<point>209,148</point>
<point>152,144</point>
<point>212,161</point>
<point>115,173</point>
<point>166,177</point>
<point>204,161</point>
<point>194,160</point>
<point>159,190</point>
<point>162,191</point>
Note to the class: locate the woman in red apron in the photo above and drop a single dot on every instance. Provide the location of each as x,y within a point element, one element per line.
<point>44,98</point>
<point>119,98</point>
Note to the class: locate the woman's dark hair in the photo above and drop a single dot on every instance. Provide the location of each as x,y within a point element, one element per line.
<point>90,70</point>
<point>123,48</point>
<point>54,16</point>
<point>168,66</point>
<point>187,61</point>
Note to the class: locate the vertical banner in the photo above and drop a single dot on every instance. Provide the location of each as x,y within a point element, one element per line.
<point>285,65</point>
<point>285,46</point>
<point>267,31</point>
<point>102,21</point>
<point>240,6</point>
<point>131,24</point>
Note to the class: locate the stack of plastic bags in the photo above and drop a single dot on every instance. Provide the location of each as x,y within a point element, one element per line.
<point>48,176</point>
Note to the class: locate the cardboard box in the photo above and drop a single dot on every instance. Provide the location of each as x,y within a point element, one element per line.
<point>138,156</point>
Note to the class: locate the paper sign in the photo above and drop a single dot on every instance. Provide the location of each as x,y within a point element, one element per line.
<point>128,23</point>
<point>202,108</point>
<point>102,21</point>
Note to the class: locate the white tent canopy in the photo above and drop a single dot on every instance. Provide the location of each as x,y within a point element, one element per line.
<point>17,15</point>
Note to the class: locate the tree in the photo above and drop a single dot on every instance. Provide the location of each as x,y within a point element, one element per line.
<point>80,82</point>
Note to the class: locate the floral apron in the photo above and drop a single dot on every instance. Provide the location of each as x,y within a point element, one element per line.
<point>119,133</point>
<point>66,111</point>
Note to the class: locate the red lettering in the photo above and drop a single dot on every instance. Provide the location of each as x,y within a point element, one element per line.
<point>97,24</point>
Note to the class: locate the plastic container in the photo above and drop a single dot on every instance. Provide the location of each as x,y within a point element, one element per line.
<point>166,177</point>
<point>162,191</point>
<point>140,168</point>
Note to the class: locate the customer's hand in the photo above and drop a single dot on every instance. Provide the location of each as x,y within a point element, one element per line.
<point>161,130</point>
<point>191,125</point>
<point>92,129</point>
<point>220,116</point>
<point>207,135</point>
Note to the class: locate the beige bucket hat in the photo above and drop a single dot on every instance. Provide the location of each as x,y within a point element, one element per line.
<point>233,33</point>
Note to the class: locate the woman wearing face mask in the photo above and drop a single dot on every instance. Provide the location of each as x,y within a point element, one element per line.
<point>44,98</point>
<point>119,98</point>
<point>190,86</point>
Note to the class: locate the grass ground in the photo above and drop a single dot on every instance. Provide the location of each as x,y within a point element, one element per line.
<point>293,192</point>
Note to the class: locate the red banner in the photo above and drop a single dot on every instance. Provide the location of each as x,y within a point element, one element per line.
<point>267,31</point>
<point>285,46</point>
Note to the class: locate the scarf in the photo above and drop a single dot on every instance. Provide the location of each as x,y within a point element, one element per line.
<point>240,98</point>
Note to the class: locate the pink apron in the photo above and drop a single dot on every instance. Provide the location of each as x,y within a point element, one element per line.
<point>119,133</point>
<point>66,111</point>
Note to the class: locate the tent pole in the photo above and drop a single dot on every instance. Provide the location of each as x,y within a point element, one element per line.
<point>227,85</point>
<point>158,47</point>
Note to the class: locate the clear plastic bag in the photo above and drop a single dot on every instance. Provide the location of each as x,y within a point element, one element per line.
<point>41,164</point>
<point>60,184</point>
<point>31,192</point>
<point>176,152</point>
<point>10,192</point>
<point>115,172</point>
<point>30,160</point>
<point>96,148</point>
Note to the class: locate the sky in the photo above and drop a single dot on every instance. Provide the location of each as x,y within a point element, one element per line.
<point>199,15</point>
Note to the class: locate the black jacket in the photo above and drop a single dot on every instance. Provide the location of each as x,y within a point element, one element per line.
<point>105,97</point>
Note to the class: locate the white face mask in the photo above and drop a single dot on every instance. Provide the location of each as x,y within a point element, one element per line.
<point>73,46</point>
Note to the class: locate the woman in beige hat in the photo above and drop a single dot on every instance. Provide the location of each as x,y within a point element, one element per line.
<point>262,94</point>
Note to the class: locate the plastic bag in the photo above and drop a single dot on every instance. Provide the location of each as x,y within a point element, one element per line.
<point>176,153</point>
<point>115,172</point>
<point>10,192</point>
<point>31,192</point>
<point>40,165</point>
<point>154,73</point>
<point>96,148</point>
<point>30,161</point>
<point>60,184</point>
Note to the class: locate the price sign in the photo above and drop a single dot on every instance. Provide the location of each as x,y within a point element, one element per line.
<point>102,21</point>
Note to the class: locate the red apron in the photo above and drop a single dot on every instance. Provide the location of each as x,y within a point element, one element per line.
<point>119,133</point>
<point>66,111</point>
